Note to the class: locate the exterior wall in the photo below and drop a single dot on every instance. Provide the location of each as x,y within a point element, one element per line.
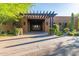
<point>6,27</point>
<point>27,25</point>
<point>46,24</point>
<point>24,24</point>
<point>65,19</point>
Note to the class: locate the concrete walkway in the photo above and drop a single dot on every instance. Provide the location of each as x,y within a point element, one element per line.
<point>34,45</point>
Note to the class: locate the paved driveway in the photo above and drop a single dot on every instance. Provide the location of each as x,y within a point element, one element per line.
<point>68,50</point>
<point>34,45</point>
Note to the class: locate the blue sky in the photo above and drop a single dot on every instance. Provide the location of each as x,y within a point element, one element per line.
<point>63,9</point>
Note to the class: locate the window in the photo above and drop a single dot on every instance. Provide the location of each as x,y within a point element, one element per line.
<point>24,23</point>
<point>46,23</point>
<point>17,24</point>
<point>59,23</point>
<point>53,23</point>
<point>65,24</point>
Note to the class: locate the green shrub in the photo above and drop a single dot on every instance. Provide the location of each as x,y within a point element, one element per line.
<point>3,33</point>
<point>50,31</point>
<point>70,33</point>
<point>55,30</point>
<point>66,30</point>
<point>15,31</point>
<point>77,34</point>
<point>74,31</point>
<point>18,31</point>
<point>59,33</point>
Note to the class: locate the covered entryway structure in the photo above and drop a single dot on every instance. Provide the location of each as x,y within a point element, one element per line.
<point>40,21</point>
<point>36,24</point>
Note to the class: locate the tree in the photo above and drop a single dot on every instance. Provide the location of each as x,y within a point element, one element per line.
<point>72,22</point>
<point>9,12</point>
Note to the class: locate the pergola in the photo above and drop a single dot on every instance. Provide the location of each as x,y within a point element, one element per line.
<point>41,14</point>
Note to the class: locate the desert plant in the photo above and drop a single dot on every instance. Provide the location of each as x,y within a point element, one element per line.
<point>66,30</point>
<point>72,22</point>
<point>16,31</point>
<point>70,33</point>
<point>60,33</point>
<point>77,34</point>
<point>55,30</point>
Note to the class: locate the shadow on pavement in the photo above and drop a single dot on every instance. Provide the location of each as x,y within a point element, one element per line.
<point>69,50</point>
<point>41,40</point>
<point>23,38</point>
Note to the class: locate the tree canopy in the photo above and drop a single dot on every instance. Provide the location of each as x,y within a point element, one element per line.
<point>10,11</point>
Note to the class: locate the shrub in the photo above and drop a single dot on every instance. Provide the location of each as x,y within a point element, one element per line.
<point>77,34</point>
<point>74,31</point>
<point>60,33</point>
<point>50,31</point>
<point>55,30</point>
<point>70,33</point>
<point>3,33</point>
<point>66,30</point>
<point>18,31</point>
<point>14,31</point>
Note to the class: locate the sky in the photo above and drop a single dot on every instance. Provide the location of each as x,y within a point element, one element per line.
<point>62,9</point>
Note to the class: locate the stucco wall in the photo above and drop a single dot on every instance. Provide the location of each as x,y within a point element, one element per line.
<point>6,27</point>
<point>46,24</point>
<point>65,19</point>
<point>26,27</point>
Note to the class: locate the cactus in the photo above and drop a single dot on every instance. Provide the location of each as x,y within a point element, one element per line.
<point>72,22</point>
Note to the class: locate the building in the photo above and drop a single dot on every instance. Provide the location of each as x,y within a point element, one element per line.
<point>42,21</point>
<point>37,21</point>
<point>64,21</point>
